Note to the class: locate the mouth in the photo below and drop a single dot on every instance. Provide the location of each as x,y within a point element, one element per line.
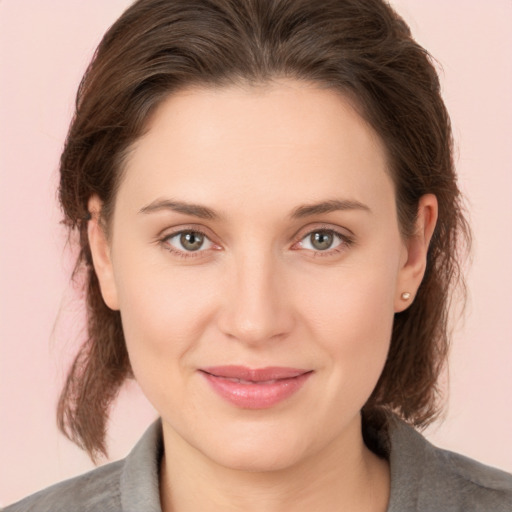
<point>258,388</point>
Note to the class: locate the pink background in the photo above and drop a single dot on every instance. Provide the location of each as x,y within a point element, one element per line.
<point>44,49</point>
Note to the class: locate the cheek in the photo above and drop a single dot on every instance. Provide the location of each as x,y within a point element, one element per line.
<point>353,299</point>
<point>164,314</point>
<point>352,317</point>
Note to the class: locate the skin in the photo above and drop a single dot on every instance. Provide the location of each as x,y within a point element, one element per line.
<point>259,292</point>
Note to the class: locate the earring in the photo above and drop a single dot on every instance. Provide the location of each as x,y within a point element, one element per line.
<point>405,296</point>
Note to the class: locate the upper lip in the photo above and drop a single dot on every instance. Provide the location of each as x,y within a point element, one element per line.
<point>254,374</point>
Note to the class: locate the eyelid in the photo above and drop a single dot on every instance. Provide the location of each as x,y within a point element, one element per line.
<point>344,233</point>
<point>179,233</point>
<point>183,228</point>
<point>346,239</point>
<point>166,235</point>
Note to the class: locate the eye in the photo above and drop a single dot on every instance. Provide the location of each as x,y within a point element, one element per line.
<point>188,241</point>
<point>323,240</point>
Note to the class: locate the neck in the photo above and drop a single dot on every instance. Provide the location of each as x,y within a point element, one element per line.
<point>345,475</point>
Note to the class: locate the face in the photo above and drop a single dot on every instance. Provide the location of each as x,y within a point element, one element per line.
<point>256,260</point>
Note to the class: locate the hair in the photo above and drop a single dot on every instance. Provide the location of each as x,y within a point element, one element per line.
<point>360,48</point>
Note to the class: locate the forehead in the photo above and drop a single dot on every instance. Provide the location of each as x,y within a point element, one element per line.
<point>241,143</point>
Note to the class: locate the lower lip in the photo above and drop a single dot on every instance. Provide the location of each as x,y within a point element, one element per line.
<point>257,395</point>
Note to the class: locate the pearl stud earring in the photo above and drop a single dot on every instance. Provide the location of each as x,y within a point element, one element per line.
<point>405,296</point>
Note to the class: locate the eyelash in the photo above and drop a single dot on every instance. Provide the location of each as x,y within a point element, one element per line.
<point>182,254</point>
<point>346,242</point>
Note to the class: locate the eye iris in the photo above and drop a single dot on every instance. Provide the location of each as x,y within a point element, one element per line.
<point>322,240</point>
<point>191,241</point>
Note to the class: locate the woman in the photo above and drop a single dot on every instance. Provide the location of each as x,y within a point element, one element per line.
<point>269,228</point>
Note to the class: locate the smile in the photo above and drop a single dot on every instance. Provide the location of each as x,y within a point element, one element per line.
<point>255,388</point>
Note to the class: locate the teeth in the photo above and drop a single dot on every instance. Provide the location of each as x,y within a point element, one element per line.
<point>242,381</point>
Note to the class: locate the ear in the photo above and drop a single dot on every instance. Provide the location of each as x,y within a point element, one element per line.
<point>101,254</point>
<point>414,262</point>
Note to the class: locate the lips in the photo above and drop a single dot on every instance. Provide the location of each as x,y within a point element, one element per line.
<point>255,388</point>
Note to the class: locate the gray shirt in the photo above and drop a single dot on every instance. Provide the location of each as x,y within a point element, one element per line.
<point>423,479</point>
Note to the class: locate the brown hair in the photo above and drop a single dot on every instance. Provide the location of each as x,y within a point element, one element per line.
<point>361,48</point>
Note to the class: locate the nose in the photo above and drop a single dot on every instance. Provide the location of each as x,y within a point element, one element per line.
<point>257,307</point>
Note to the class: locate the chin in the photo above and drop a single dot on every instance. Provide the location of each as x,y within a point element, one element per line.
<point>262,451</point>
<point>258,459</point>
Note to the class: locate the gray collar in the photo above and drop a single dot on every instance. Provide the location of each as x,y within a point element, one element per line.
<point>423,477</point>
<point>140,475</point>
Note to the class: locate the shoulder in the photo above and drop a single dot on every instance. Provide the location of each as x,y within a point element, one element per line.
<point>427,478</point>
<point>97,490</point>
<point>479,487</point>
<point>128,485</point>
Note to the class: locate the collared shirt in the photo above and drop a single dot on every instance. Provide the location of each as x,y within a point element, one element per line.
<point>423,479</point>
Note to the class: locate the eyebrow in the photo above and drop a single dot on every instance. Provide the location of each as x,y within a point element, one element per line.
<point>203,212</point>
<point>331,205</point>
<point>196,210</point>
